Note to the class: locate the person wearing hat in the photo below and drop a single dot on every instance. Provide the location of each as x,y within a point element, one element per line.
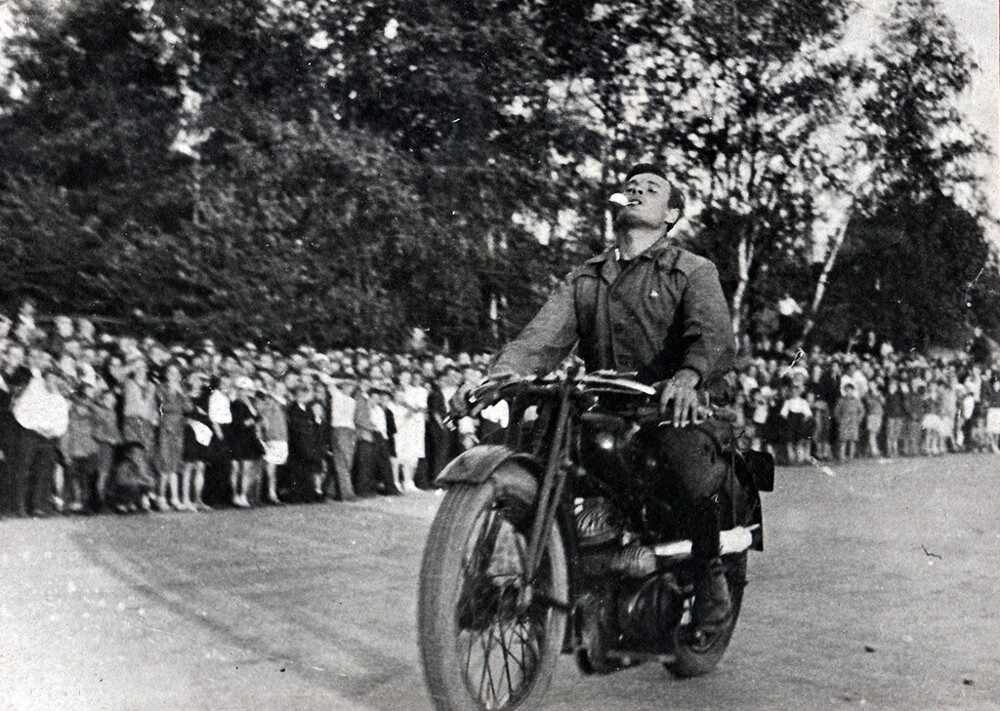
<point>649,307</point>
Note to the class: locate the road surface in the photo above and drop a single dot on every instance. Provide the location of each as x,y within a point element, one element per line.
<point>878,587</point>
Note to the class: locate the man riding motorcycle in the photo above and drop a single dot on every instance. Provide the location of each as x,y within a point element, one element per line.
<point>649,307</point>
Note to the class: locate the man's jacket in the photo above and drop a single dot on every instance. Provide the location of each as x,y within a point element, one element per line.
<point>665,311</point>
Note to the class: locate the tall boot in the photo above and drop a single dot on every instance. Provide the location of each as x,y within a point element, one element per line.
<point>712,607</point>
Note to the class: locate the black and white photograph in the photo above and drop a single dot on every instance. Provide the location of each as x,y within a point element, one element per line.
<point>481,355</point>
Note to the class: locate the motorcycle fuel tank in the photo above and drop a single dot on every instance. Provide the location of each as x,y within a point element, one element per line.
<point>609,451</point>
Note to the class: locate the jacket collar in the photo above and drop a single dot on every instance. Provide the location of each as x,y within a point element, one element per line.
<point>606,263</point>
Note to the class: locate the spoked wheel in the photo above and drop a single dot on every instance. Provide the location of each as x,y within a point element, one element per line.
<point>700,656</point>
<point>489,637</point>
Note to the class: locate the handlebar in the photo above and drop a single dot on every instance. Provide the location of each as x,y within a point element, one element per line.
<point>492,390</point>
<point>647,410</point>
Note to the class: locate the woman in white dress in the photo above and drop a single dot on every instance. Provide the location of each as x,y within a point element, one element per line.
<point>409,408</point>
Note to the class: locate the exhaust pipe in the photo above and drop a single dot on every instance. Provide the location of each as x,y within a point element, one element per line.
<point>734,540</point>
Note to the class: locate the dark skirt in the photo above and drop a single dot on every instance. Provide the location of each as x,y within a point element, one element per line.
<point>130,474</point>
<point>797,427</point>
<point>243,443</point>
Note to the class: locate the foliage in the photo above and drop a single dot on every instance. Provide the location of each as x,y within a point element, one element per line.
<point>908,273</point>
<point>340,172</point>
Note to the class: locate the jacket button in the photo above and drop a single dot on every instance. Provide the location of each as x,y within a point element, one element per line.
<point>619,328</point>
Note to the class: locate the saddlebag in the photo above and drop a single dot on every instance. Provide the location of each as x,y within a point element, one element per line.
<point>760,466</point>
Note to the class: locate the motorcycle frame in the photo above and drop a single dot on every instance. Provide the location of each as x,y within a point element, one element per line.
<point>551,468</point>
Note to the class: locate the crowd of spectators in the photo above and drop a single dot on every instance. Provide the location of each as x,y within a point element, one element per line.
<point>866,401</point>
<point>91,422</point>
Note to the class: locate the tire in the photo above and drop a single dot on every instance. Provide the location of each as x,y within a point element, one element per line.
<point>695,660</point>
<point>464,564</point>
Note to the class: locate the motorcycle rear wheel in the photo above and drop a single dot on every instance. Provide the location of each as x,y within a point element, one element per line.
<point>695,659</point>
<point>484,643</point>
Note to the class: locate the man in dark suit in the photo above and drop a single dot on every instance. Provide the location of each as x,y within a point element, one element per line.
<point>440,440</point>
<point>306,445</point>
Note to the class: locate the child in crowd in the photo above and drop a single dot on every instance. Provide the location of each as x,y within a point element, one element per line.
<point>108,437</point>
<point>80,452</point>
<point>133,485</point>
<point>931,422</point>
<point>797,420</point>
<point>979,437</point>
<point>875,411</point>
<point>757,421</point>
<point>916,408</point>
<point>822,448</point>
<point>849,413</point>
<point>895,417</point>
<point>966,418</point>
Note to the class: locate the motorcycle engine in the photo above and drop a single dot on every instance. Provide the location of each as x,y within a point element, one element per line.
<point>648,612</point>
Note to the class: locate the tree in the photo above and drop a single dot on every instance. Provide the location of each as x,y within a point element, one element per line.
<point>75,184</point>
<point>317,159</point>
<point>907,272</point>
<point>342,171</point>
<point>903,141</point>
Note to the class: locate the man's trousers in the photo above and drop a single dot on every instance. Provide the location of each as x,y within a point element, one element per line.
<point>344,442</point>
<point>33,469</point>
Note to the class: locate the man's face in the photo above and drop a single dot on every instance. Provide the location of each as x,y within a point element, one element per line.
<point>648,195</point>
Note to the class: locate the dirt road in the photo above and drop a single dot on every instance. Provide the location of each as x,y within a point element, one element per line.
<point>878,587</point>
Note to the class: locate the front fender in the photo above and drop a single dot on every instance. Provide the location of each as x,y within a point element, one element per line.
<point>476,465</point>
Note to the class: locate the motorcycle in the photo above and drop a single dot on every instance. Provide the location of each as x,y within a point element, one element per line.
<point>558,539</point>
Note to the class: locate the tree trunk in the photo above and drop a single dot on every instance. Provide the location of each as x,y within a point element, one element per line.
<point>744,258</point>
<point>493,310</point>
<point>824,278</point>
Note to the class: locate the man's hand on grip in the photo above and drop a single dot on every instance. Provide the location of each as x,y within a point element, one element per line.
<point>681,390</point>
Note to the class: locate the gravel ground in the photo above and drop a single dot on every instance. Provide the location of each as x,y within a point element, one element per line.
<point>878,587</point>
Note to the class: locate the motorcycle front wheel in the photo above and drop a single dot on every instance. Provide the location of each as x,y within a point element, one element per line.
<point>489,638</point>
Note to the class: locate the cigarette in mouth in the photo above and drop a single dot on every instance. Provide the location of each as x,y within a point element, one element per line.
<point>620,199</point>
